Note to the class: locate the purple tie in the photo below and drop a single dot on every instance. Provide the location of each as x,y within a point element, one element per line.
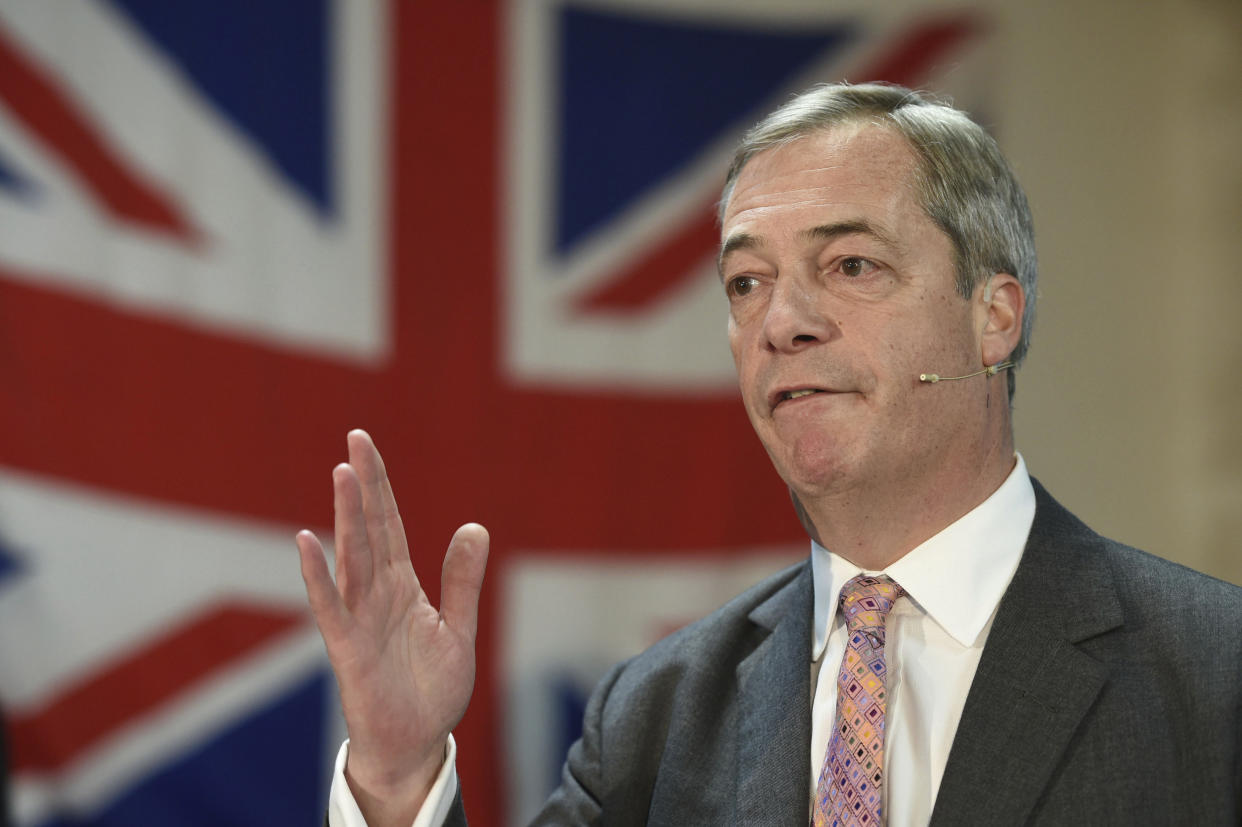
<point>849,791</point>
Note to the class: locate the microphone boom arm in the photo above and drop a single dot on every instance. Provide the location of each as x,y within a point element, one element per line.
<point>991,370</point>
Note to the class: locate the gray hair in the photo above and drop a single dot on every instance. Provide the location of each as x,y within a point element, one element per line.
<point>964,183</point>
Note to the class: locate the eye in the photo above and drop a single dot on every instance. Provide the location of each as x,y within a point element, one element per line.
<point>853,266</point>
<point>740,286</point>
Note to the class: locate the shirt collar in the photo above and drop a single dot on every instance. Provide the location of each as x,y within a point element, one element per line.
<point>987,542</point>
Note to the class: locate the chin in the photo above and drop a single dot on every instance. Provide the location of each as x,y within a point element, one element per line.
<point>812,483</point>
<point>816,468</point>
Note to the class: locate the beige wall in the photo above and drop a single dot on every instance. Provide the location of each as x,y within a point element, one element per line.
<point>1124,121</point>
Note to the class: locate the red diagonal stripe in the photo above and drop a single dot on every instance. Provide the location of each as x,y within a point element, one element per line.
<point>48,111</point>
<point>49,737</point>
<point>921,48</point>
<point>645,281</point>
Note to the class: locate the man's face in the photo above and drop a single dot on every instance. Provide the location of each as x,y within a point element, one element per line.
<point>841,292</point>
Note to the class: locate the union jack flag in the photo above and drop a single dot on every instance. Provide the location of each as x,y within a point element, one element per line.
<point>230,231</point>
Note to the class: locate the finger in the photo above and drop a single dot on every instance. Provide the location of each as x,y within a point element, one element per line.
<point>384,525</point>
<point>462,578</point>
<point>355,563</point>
<point>325,602</point>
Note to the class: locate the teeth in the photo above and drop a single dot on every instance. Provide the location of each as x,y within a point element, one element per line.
<point>797,394</point>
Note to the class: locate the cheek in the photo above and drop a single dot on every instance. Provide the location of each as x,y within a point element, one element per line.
<point>746,361</point>
<point>893,353</point>
<point>735,342</point>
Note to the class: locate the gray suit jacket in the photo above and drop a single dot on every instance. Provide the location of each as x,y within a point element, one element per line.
<point>1109,692</point>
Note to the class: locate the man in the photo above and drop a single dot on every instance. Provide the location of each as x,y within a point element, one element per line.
<point>976,655</point>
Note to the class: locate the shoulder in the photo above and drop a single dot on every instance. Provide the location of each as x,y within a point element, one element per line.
<point>651,720</point>
<point>752,613</point>
<point>1165,596</point>
<point>705,653</point>
<point>1159,599</point>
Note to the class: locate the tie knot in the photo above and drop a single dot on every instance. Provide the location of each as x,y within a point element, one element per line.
<point>866,601</point>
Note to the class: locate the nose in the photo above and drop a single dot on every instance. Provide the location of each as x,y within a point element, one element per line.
<point>796,316</point>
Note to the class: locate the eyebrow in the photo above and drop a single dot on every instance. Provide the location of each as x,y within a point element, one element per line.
<point>823,232</point>
<point>858,226</point>
<point>735,242</point>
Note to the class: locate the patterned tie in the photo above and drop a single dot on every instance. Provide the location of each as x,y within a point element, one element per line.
<point>849,788</point>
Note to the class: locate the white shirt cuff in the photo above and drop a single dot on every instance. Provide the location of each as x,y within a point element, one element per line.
<point>343,810</point>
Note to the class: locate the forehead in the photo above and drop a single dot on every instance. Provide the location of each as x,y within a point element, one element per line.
<point>859,170</point>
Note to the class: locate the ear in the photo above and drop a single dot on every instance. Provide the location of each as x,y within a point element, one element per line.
<point>999,314</point>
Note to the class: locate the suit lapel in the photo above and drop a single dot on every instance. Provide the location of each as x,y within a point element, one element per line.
<point>1033,685</point>
<point>774,710</point>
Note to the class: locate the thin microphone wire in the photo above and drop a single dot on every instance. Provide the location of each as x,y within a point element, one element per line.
<point>991,370</point>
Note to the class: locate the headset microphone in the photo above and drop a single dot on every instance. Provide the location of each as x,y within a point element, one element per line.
<point>991,370</point>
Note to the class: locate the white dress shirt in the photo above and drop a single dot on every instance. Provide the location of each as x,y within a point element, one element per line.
<point>934,637</point>
<point>933,640</point>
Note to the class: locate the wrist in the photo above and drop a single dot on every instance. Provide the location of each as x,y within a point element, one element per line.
<point>389,793</point>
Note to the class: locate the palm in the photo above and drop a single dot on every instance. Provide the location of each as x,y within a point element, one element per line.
<point>405,674</point>
<point>405,669</point>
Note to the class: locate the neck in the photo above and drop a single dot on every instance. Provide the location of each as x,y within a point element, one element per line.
<point>874,526</point>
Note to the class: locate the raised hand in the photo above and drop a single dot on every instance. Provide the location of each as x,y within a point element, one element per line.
<point>405,670</point>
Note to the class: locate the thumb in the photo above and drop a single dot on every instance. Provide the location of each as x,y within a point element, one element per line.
<point>461,581</point>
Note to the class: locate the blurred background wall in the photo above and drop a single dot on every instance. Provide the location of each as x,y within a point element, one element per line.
<point>230,231</point>
<point>1128,408</point>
